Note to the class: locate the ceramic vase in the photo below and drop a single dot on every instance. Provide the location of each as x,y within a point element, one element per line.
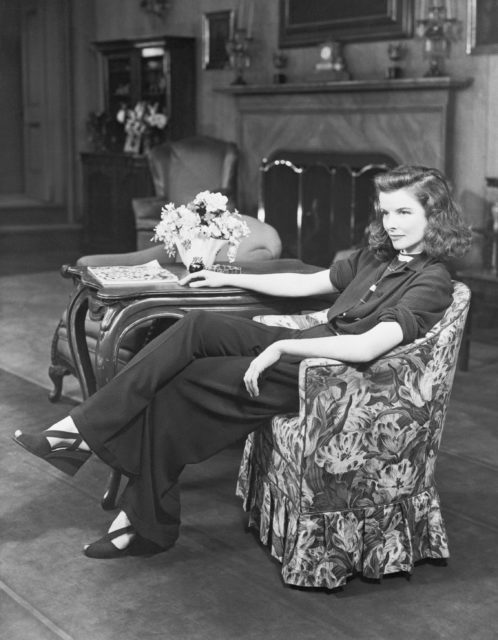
<point>199,253</point>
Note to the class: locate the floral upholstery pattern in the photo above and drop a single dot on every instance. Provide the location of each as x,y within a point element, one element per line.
<point>347,486</point>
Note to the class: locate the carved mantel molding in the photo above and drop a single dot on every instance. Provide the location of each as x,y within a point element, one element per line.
<point>349,86</point>
<point>410,119</point>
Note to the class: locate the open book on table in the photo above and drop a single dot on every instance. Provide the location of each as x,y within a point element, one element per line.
<point>125,276</point>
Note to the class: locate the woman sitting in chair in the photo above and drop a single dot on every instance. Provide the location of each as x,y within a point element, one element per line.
<point>212,378</point>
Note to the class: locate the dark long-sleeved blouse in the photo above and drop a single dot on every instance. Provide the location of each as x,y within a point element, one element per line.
<point>415,294</point>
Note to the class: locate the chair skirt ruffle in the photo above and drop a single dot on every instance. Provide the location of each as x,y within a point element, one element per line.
<point>325,549</point>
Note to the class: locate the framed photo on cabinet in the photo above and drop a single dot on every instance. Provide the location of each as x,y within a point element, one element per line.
<point>482,26</point>
<point>217,30</point>
<point>309,22</point>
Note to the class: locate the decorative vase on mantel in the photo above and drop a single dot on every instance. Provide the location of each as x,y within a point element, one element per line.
<point>199,252</point>
<point>133,142</point>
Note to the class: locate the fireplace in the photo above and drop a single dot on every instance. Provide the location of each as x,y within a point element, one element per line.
<point>320,202</point>
<point>381,122</point>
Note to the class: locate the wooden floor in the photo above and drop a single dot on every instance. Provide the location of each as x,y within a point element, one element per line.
<point>218,582</point>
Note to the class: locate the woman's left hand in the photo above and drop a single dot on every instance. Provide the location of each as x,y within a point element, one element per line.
<point>265,359</point>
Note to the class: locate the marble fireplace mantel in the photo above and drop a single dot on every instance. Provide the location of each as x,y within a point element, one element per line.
<point>349,86</point>
<point>409,119</point>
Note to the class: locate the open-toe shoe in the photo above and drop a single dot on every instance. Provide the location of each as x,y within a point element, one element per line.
<point>65,458</point>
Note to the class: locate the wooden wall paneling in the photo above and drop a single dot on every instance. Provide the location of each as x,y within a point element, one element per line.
<point>46,104</point>
<point>492,118</point>
<point>33,63</point>
<point>11,163</point>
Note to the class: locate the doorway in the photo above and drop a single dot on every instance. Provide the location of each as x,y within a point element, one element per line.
<point>35,172</point>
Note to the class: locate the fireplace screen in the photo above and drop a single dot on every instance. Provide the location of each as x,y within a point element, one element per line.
<point>319,202</point>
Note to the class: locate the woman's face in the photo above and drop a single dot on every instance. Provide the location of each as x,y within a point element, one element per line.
<point>404,220</point>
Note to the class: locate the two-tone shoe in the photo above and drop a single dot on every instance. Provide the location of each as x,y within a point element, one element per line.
<point>65,458</point>
<point>104,549</point>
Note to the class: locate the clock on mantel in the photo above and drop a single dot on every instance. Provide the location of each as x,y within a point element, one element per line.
<point>331,65</point>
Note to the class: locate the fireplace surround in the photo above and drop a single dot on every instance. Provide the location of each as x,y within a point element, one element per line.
<point>402,121</point>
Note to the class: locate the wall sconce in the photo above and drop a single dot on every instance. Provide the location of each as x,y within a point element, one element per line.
<point>437,27</point>
<point>238,46</point>
<point>155,7</point>
<point>238,54</point>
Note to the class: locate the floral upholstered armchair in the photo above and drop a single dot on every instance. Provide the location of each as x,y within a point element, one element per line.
<point>347,486</point>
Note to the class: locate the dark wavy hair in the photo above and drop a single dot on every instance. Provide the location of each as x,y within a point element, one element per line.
<point>446,235</point>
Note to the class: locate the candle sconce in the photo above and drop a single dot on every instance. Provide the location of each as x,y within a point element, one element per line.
<point>395,52</point>
<point>238,54</point>
<point>279,62</point>
<point>438,30</point>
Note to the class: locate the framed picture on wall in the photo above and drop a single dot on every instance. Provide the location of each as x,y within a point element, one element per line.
<point>482,26</point>
<point>309,22</point>
<point>217,30</point>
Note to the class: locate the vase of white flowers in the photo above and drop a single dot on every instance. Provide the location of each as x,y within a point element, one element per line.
<point>140,123</point>
<point>199,229</point>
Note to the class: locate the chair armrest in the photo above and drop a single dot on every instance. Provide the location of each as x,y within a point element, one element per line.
<point>154,252</point>
<point>294,321</point>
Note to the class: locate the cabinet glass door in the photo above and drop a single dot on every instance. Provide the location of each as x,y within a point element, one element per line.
<point>154,76</point>
<point>119,82</point>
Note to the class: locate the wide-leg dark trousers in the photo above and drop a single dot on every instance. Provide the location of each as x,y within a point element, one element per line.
<point>180,400</point>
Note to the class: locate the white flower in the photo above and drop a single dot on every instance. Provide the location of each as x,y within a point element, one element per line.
<point>206,216</point>
<point>121,116</point>
<point>158,120</point>
<point>143,116</point>
<point>212,201</point>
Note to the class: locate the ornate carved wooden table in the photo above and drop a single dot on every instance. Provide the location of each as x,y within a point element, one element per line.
<point>120,309</point>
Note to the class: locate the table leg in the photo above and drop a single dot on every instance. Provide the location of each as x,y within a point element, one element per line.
<point>76,313</point>
<point>108,501</point>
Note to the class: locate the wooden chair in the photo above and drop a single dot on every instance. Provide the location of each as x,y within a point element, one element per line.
<point>347,486</point>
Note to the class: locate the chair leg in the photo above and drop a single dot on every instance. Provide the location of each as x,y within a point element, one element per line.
<point>56,373</point>
<point>108,501</point>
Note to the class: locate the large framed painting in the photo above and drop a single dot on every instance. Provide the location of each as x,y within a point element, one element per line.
<point>482,26</point>
<point>309,22</point>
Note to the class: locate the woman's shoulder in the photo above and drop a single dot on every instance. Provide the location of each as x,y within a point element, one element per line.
<point>434,268</point>
<point>361,257</point>
<point>434,278</point>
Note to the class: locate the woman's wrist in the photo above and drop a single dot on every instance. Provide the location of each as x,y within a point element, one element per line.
<point>278,347</point>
